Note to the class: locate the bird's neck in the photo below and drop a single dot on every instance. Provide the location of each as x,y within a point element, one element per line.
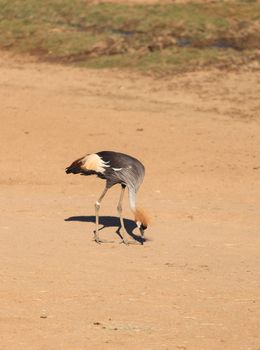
<point>132,199</point>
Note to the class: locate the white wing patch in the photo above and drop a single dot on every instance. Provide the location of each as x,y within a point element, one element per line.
<point>117,169</point>
<point>96,163</point>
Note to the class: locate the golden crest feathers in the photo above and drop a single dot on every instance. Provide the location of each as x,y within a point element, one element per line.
<point>141,216</point>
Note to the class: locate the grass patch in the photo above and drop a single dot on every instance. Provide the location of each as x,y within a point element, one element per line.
<point>160,38</point>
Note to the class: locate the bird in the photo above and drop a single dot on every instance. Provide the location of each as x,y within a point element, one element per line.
<point>115,168</point>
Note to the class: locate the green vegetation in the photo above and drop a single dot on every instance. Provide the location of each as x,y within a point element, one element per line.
<point>158,38</point>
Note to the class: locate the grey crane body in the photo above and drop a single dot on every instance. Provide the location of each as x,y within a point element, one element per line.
<point>115,168</point>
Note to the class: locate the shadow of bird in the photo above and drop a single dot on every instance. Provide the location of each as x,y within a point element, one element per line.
<point>111,221</point>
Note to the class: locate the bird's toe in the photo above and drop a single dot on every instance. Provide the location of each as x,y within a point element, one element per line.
<point>99,241</point>
<point>128,242</point>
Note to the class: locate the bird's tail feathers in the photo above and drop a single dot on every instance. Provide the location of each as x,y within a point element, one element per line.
<point>142,217</point>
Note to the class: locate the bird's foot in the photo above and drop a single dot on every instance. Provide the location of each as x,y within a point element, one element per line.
<point>99,241</point>
<point>127,242</point>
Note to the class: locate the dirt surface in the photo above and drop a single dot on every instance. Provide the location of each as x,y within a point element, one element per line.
<point>195,283</point>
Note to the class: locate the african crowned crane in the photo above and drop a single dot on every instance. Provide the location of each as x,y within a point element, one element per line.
<point>115,168</point>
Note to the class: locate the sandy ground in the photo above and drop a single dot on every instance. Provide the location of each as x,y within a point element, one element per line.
<point>195,283</point>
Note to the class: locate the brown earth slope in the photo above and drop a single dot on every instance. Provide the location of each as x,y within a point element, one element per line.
<point>195,284</point>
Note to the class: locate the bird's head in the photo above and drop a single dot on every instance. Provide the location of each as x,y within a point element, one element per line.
<point>141,227</point>
<point>141,220</point>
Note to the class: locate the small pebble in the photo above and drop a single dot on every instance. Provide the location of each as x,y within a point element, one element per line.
<point>44,314</point>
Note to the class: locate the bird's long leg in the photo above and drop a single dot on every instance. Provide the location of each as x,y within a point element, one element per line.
<point>97,207</point>
<point>120,209</point>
